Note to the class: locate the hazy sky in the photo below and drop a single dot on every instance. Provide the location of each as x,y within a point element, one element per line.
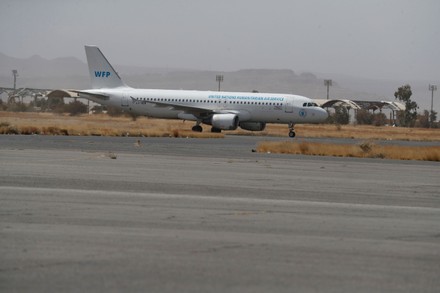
<point>393,39</point>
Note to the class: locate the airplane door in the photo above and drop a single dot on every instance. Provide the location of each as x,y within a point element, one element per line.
<point>124,100</point>
<point>289,107</point>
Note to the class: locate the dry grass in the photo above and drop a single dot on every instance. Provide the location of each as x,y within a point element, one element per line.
<point>363,132</point>
<point>364,150</point>
<point>96,125</point>
<point>104,125</point>
<point>48,123</point>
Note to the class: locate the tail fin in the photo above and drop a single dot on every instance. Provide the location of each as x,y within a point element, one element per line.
<point>102,74</point>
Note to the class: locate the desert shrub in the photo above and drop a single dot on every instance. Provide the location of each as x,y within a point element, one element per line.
<point>53,130</point>
<point>28,130</point>
<point>364,117</point>
<point>366,147</point>
<point>9,130</point>
<point>423,120</point>
<point>114,111</point>
<point>3,106</point>
<point>18,107</point>
<point>55,104</point>
<point>75,108</point>
<point>340,116</point>
<point>379,119</point>
<point>132,115</point>
<point>435,157</point>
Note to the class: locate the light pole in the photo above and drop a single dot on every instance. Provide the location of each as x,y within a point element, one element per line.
<point>219,79</point>
<point>15,74</point>
<point>327,83</point>
<point>432,88</point>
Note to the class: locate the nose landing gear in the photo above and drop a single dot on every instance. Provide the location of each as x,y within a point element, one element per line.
<point>291,130</point>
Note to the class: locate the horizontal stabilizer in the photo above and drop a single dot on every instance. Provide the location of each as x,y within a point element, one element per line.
<point>86,94</point>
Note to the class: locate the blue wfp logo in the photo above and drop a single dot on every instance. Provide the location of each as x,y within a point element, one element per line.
<point>102,74</point>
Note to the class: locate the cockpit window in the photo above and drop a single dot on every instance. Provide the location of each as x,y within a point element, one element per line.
<point>310,105</point>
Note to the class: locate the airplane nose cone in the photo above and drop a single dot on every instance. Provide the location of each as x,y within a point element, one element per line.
<point>323,114</point>
<point>318,115</point>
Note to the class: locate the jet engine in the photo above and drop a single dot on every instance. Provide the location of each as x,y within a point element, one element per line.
<point>253,126</point>
<point>223,121</point>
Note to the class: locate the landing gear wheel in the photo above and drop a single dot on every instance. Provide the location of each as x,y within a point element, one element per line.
<point>197,128</point>
<point>291,130</point>
<point>216,130</point>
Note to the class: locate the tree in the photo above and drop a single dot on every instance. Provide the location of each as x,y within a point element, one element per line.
<point>409,115</point>
<point>364,117</point>
<point>379,119</point>
<point>18,107</point>
<point>341,116</point>
<point>55,105</point>
<point>426,120</point>
<point>75,108</point>
<point>423,119</point>
<point>432,117</point>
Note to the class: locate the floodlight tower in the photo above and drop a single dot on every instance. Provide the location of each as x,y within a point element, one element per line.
<point>432,88</point>
<point>327,83</point>
<point>15,74</point>
<point>219,79</point>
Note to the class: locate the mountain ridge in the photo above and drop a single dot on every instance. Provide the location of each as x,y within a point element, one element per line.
<point>72,73</point>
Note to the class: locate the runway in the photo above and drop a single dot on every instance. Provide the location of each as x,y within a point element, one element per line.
<point>209,215</point>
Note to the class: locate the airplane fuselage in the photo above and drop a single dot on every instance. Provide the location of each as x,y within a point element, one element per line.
<point>221,110</point>
<point>249,107</point>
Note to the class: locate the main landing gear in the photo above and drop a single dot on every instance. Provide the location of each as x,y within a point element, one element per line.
<point>291,130</point>
<point>197,128</point>
<point>216,130</point>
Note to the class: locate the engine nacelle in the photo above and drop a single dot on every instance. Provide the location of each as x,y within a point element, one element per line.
<point>224,121</point>
<point>253,126</point>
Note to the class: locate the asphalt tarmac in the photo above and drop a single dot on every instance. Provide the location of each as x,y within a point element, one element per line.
<point>210,215</point>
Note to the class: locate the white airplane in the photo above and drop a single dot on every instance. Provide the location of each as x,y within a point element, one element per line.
<point>221,110</point>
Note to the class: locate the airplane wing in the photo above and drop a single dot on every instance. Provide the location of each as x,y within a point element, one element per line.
<point>188,109</point>
<point>198,112</point>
